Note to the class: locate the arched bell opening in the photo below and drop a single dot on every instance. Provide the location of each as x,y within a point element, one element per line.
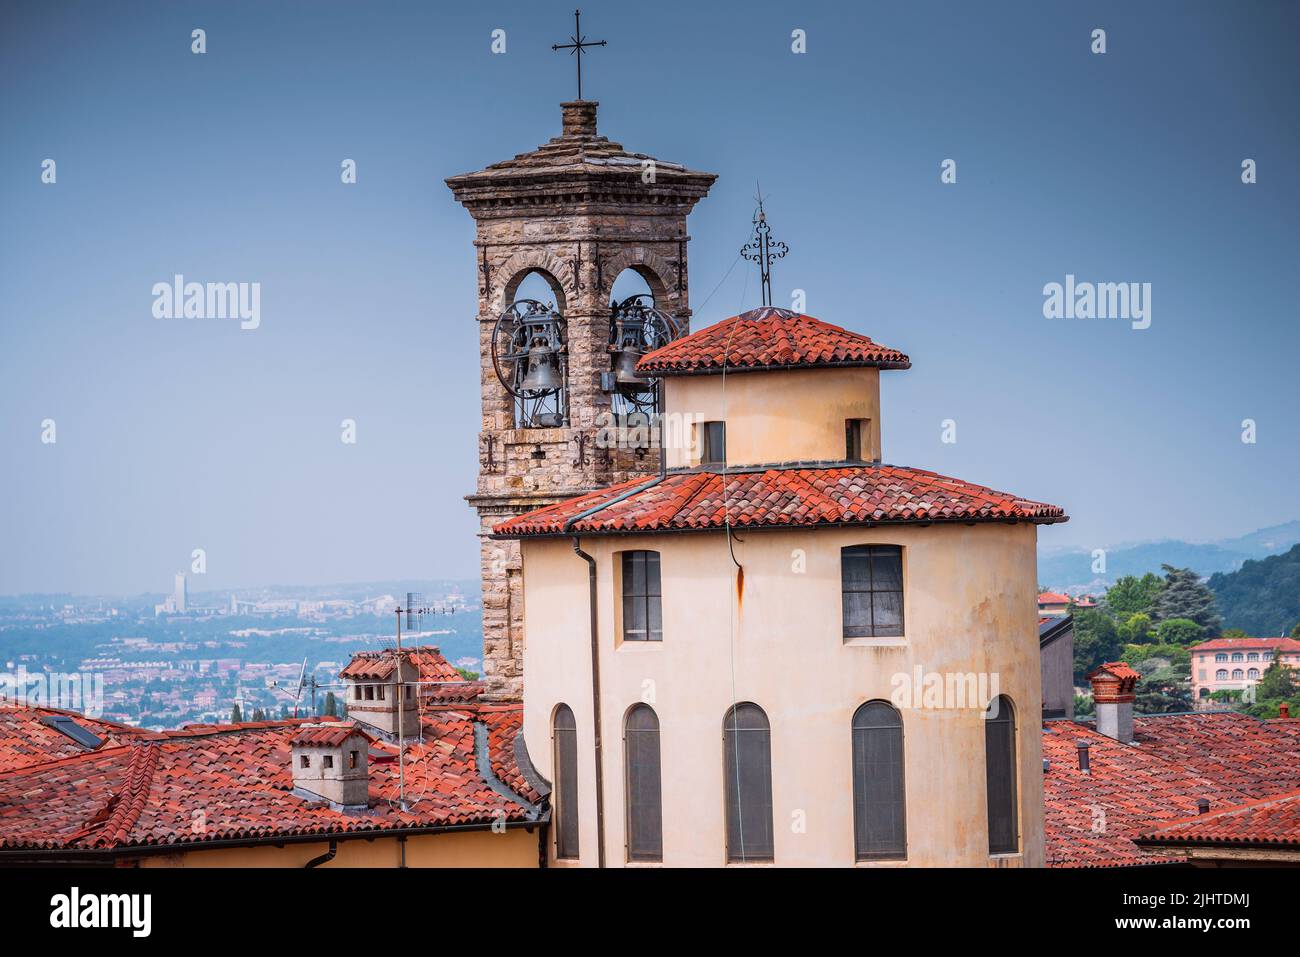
<point>530,351</point>
<point>637,326</point>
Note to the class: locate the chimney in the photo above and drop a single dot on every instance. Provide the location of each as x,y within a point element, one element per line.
<point>1202,806</point>
<point>371,680</point>
<point>1284,710</point>
<point>579,118</point>
<point>1084,764</point>
<point>330,763</point>
<point>1114,687</point>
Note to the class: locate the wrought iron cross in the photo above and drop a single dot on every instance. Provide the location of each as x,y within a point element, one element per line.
<point>578,45</point>
<point>763,251</point>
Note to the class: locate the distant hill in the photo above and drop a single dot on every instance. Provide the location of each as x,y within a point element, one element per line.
<point>1262,598</point>
<point>1071,569</point>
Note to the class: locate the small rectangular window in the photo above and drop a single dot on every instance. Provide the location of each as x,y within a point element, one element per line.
<point>304,762</point>
<point>714,443</point>
<point>329,760</point>
<point>871,582</point>
<point>370,692</point>
<point>642,597</point>
<point>856,432</point>
<point>379,692</point>
<point>352,759</point>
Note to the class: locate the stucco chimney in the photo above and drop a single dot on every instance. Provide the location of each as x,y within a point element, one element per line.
<point>1084,764</point>
<point>371,679</point>
<point>1114,687</point>
<point>330,762</point>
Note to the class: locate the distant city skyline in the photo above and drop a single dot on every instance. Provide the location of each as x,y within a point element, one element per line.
<point>174,435</point>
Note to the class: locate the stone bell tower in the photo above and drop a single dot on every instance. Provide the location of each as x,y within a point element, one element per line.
<point>578,211</point>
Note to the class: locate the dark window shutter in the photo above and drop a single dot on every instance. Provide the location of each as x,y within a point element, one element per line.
<point>642,597</point>
<point>565,736</point>
<point>715,444</point>
<point>879,793</point>
<point>1000,770</point>
<point>871,583</point>
<point>748,749</point>
<point>643,785</point>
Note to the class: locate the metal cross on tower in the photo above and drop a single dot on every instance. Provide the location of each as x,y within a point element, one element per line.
<point>763,251</point>
<point>578,45</point>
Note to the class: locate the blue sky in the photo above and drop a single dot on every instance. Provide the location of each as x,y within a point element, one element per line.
<point>225,167</point>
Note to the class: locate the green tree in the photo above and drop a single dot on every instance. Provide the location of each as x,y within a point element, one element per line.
<point>1184,595</point>
<point>1131,595</point>
<point>473,675</point>
<point>1136,630</point>
<point>1263,596</point>
<point>1096,640</point>
<point>1179,631</point>
<point>1233,633</point>
<point>1277,682</point>
<point>1163,689</point>
<point>331,705</point>
<point>236,715</point>
<point>1295,632</point>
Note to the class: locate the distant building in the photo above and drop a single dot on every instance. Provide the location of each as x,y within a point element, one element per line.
<point>1052,603</point>
<point>181,594</point>
<point>1236,664</point>
<point>1056,658</point>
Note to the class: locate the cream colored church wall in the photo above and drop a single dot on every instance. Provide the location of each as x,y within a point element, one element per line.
<point>969,606</point>
<point>794,415</point>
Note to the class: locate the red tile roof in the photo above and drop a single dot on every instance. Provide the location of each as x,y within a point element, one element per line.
<point>1053,598</point>
<point>769,338</point>
<point>235,782</point>
<point>781,497</point>
<point>1117,669</point>
<point>27,738</point>
<point>379,665</point>
<point>1242,644</point>
<point>1224,756</point>
<point>1268,821</point>
<point>330,735</point>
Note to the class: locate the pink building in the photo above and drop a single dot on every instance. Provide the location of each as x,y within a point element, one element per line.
<point>1234,664</point>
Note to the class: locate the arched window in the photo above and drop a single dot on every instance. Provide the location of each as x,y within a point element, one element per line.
<point>1253,656</point>
<point>1221,656</point>
<point>1253,674</point>
<point>1221,674</point>
<point>1204,692</point>
<point>747,740</point>
<point>1000,775</point>
<point>1236,674</point>
<point>879,796</point>
<point>1236,656</point>
<point>564,741</point>
<point>1268,656</point>
<point>645,838</point>
<point>643,618</point>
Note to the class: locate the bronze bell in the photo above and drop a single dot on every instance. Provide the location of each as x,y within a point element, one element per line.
<point>543,370</point>
<point>625,374</point>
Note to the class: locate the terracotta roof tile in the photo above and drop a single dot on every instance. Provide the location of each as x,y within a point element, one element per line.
<point>781,497</point>
<point>28,737</point>
<point>236,782</point>
<point>769,338</point>
<point>1268,821</point>
<point>1225,757</point>
<point>1243,644</point>
<point>379,665</point>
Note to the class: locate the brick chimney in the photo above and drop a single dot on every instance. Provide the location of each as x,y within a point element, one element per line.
<point>1114,687</point>
<point>330,762</point>
<point>578,118</point>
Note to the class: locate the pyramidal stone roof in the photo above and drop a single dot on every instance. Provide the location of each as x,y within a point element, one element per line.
<point>769,338</point>
<point>580,157</point>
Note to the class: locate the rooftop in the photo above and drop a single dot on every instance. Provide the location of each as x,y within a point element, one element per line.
<point>769,338</point>
<point>32,735</point>
<point>1244,644</point>
<point>777,497</point>
<point>1226,757</point>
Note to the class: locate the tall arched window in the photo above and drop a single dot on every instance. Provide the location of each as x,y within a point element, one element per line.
<point>1252,673</point>
<point>564,740</point>
<point>1000,774</point>
<point>1236,674</point>
<point>1221,656</point>
<point>645,835</point>
<point>1221,674</point>
<point>747,740</point>
<point>879,796</point>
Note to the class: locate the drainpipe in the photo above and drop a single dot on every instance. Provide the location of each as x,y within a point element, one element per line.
<point>595,651</point>
<point>326,857</point>
<point>595,700</point>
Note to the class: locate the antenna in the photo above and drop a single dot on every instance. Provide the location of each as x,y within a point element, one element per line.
<point>298,693</point>
<point>410,611</point>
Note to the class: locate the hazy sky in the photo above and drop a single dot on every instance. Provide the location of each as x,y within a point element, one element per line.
<point>173,435</point>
